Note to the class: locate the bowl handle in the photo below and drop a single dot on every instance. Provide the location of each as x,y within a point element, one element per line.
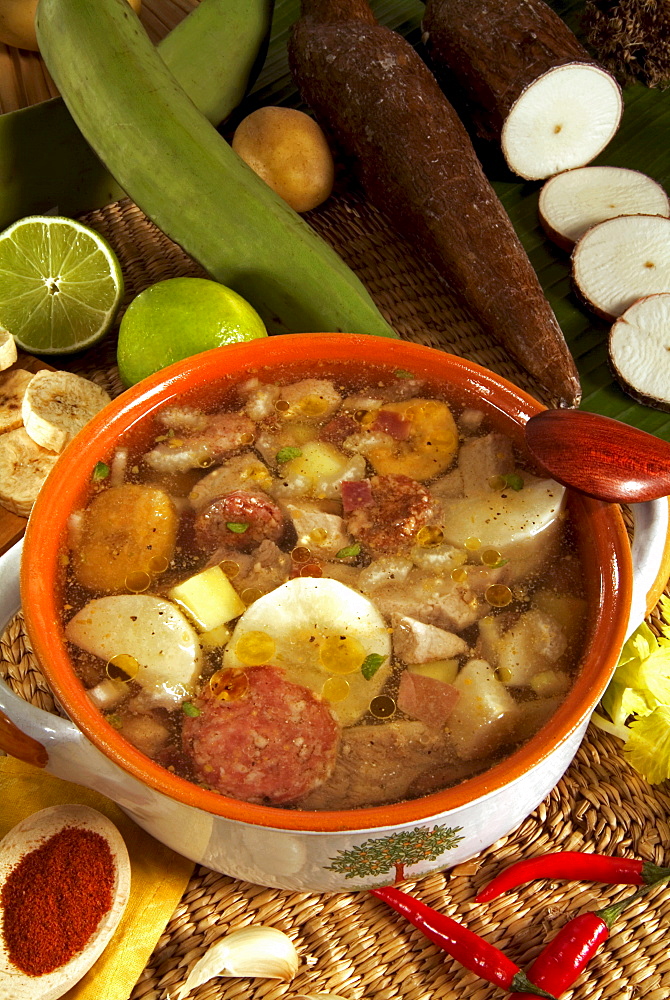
<point>33,735</point>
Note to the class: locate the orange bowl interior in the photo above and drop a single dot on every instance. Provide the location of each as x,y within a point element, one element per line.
<point>602,538</point>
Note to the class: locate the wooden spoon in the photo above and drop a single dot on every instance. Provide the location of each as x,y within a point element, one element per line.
<point>599,456</point>
<point>26,836</point>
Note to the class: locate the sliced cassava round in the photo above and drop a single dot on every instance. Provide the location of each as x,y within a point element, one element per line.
<point>528,81</point>
<point>573,201</point>
<point>24,466</point>
<point>622,260</point>
<point>56,405</point>
<point>8,354</point>
<point>639,350</point>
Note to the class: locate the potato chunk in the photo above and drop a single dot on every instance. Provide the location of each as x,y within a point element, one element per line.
<point>126,530</point>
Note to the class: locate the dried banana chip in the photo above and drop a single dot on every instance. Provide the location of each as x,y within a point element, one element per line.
<point>24,466</point>
<point>57,405</point>
<point>13,387</point>
<point>8,353</point>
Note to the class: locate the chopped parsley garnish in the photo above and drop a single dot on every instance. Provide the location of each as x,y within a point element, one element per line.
<point>237,527</point>
<point>100,471</point>
<point>188,708</point>
<point>514,481</point>
<point>403,373</point>
<point>371,665</point>
<point>348,551</point>
<point>286,454</point>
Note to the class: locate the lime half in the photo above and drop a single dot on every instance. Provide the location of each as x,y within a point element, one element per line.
<point>60,284</point>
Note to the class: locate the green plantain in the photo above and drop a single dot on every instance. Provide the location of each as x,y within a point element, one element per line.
<point>172,162</point>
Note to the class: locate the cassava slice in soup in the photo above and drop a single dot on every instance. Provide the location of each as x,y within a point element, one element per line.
<point>329,618</point>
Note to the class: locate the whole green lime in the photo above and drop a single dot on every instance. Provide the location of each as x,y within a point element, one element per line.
<point>177,318</point>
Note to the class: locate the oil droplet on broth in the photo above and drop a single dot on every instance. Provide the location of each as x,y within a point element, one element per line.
<point>490,557</point>
<point>158,564</point>
<point>229,684</point>
<point>459,574</point>
<point>472,543</point>
<point>122,667</point>
<point>335,689</point>
<point>382,707</point>
<point>498,595</point>
<point>255,648</point>
<point>341,654</point>
<point>311,569</point>
<point>138,582</point>
<point>251,594</point>
<point>429,536</point>
<point>230,568</point>
<point>300,554</point>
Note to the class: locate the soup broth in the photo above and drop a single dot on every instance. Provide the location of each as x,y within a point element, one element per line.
<point>323,589</point>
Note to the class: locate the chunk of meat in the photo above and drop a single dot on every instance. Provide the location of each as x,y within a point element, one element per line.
<point>310,398</point>
<point>239,520</point>
<point>202,444</point>
<point>400,508</point>
<point>263,569</point>
<point>259,399</point>
<point>379,764</point>
<point>427,699</point>
<point>338,429</point>
<point>442,602</point>
<point>275,744</point>
<point>125,530</point>
<point>323,534</point>
<point>416,642</point>
<point>241,471</point>
<point>481,459</point>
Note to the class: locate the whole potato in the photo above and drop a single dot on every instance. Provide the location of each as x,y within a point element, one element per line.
<point>288,150</point>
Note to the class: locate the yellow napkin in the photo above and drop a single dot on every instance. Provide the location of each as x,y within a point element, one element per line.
<point>158,880</point>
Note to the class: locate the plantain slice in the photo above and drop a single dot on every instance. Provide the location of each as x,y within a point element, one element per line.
<point>13,387</point>
<point>57,405</point>
<point>24,466</point>
<point>8,352</point>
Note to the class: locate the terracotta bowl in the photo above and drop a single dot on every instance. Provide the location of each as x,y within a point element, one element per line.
<point>287,848</point>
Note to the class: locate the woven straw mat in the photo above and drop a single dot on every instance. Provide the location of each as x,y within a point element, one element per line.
<point>350,943</point>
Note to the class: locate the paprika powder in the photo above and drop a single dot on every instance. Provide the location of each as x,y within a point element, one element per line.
<point>55,897</point>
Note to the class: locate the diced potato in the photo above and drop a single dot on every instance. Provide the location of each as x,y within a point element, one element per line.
<point>126,530</point>
<point>209,597</point>
<point>318,461</point>
<point>153,632</point>
<point>550,683</point>
<point>439,670</point>
<point>485,714</point>
<point>532,645</point>
<point>568,610</point>
<point>216,637</point>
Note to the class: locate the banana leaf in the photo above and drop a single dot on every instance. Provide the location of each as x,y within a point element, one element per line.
<point>641,143</point>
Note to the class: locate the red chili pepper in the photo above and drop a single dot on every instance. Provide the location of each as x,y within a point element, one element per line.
<point>464,945</point>
<point>576,865</point>
<point>566,956</point>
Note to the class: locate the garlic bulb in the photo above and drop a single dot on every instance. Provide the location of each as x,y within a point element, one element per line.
<point>262,952</point>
